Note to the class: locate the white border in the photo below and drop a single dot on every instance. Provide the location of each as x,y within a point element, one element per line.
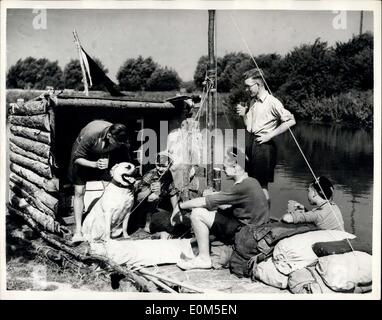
<point>374,6</point>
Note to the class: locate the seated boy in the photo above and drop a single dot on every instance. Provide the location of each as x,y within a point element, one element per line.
<point>248,205</point>
<point>154,191</point>
<point>326,215</point>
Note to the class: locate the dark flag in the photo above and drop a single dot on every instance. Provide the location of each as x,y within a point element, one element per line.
<point>95,75</point>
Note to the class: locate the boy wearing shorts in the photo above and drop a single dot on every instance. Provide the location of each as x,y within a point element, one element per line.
<point>248,205</point>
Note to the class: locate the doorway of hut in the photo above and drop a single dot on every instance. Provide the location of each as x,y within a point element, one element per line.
<point>69,121</point>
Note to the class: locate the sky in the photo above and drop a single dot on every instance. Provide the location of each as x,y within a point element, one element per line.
<point>173,38</point>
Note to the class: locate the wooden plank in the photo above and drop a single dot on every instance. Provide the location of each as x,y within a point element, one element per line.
<point>40,168</point>
<point>33,134</point>
<point>28,154</point>
<point>40,121</point>
<point>41,149</point>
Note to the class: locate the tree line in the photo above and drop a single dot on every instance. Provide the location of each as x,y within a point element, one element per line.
<point>140,74</point>
<point>316,81</point>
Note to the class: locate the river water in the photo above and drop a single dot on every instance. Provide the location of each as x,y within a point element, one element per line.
<point>344,155</point>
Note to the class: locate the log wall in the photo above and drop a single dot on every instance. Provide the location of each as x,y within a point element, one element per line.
<point>33,185</point>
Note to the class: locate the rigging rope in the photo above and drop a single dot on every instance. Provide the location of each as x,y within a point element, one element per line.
<point>290,131</point>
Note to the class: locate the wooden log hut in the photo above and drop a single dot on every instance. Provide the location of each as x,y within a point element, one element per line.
<point>41,135</point>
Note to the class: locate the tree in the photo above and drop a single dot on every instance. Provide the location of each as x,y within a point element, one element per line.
<point>354,63</point>
<point>72,76</point>
<point>134,73</point>
<point>163,79</point>
<point>32,73</point>
<point>309,73</point>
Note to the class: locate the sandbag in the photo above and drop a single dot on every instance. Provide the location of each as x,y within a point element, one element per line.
<point>345,272</point>
<point>322,249</point>
<point>266,272</point>
<point>146,252</point>
<point>296,252</point>
<point>307,280</point>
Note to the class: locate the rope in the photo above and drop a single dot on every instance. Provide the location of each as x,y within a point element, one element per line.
<point>290,131</point>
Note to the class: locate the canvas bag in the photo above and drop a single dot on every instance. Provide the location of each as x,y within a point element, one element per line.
<point>307,280</point>
<point>296,252</point>
<point>345,272</point>
<point>266,272</point>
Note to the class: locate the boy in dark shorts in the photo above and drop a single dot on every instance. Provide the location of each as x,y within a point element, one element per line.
<point>265,119</point>
<point>248,206</point>
<point>90,160</point>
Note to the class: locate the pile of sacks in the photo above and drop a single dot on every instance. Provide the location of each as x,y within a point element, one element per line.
<point>321,261</point>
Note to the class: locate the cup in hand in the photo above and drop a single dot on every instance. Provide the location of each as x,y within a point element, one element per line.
<point>241,109</point>
<point>155,187</point>
<point>294,206</point>
<point>103,163</point>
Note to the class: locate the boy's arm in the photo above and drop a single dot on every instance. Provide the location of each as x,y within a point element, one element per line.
<point>279,130</point>
<point>301,217</point>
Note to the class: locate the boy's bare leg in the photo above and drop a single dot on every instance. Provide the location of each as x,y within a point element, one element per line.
<point>78,208</point>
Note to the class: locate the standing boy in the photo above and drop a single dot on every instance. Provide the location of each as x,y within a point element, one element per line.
<point>265,119</point>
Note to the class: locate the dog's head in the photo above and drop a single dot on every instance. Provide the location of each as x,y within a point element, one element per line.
<point>122,174</point>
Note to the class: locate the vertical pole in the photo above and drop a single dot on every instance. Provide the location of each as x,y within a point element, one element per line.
<point>361,23</point>
<point>211,74</point>
<point>77,41</point>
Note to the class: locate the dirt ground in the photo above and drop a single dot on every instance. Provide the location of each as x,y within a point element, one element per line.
<point>29,269</point>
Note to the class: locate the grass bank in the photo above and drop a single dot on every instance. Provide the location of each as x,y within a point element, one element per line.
<point>354,108</point>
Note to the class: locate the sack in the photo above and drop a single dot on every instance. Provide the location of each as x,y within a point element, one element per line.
<point>345,272</point>
<point>266,272</point>
<point>296,252</point>
<point>307,280</point>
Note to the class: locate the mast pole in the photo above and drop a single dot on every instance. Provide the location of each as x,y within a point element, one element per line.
<point>77,41</point>
<point>361,23</point>
<point>211,75</point>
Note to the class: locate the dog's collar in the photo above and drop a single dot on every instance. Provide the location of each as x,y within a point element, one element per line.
<point>116,183</point>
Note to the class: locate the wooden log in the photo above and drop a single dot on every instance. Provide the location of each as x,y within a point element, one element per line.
<point>41,149</point>
<point>167,279</point>
<point>30,199</point>
<point>41,169</point>
<point>33,134</point>
<point>27,154</point>
<point>29,108</point>
<point>40,121</point>
<point>49,201</point>
<point>48,185</point>
<point>45,221</point>
<point>140,282</point>
<point>160,284</point>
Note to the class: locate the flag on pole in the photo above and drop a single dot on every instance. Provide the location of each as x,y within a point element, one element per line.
<point>95,75</point>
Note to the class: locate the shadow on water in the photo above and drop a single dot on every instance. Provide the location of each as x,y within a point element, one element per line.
<point>344,155</point>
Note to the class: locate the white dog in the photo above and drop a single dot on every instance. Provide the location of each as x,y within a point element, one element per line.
<point>110,215</point>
